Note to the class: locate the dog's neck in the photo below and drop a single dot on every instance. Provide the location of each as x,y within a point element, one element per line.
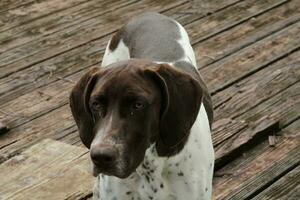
<point>152,163</point>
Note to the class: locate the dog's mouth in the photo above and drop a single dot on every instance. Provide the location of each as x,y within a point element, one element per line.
<point>112,171</point>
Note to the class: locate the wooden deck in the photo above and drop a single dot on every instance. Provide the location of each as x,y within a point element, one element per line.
<point>248,52</point>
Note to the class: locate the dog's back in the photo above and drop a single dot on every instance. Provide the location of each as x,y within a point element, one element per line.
<point>160,39</point>
<point>154,37</point>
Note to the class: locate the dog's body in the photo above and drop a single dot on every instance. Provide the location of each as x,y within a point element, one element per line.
<point>186,172</point>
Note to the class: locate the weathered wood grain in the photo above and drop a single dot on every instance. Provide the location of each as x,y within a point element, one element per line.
<point>87,11</point>
<point>38,102</point>
<point>47,170</point>
<point>246,44</point>
<point>100,47</point>
<point>59,21</point>
<point>244,11</point>
<point>249,92</point>
<point>33,76</point>
<point>33,10</point>
<point>283,107</point>
<point>226,128</point>
<point>46,126</point>
<point>259,118</point>
<point>46,72</point>
<point>252,30</point>
<point>76,36</point>
<point>57,93</point>
<point>193,13</point>
<point>254,44</point>
<point>281,167</point>
<point>6,5</point>
<point>286,188</point>
<point>13,87</point>
<point>251,59</point>
<point>39,75</point>
<point>266,118</point>
<point>258,168</point>
<point>238,143</point>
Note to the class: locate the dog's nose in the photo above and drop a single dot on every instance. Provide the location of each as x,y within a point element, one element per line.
<point>104,155</point>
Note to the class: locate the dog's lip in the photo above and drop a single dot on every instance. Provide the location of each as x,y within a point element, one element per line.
<point>96,170</point>
<point>123,175</point>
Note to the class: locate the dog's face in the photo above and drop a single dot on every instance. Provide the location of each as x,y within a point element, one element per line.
<point>122,109</point>
<point>125,106</point>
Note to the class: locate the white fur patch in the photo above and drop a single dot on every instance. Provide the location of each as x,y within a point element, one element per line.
<point>184,42</point>
<point>119,54</point>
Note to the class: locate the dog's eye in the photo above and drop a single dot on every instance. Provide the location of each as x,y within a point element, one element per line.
<point>138,105</point>
<point>97,108</point>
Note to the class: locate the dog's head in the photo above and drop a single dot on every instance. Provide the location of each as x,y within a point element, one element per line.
<point>122,109</point>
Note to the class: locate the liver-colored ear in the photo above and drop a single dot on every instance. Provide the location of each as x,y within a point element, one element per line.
<point>79,99</point>
<point>181,100</point>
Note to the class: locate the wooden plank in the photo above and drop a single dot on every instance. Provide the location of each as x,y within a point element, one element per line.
<point>259,118</point>
<point>39,75</point>
<point>46,72</point>
<point>251,186</point>
<point>46,69</point>
<point>248,93</point>
<point>287,187</point>
<point>251,91</point>
<point>281,77</point>
<point>288,101</point>
<point>26,12</point>
<point>7,56</point>
<point>252,30</point>
<point>251,59</point>
<point>47,170</point>
<point>12,4</point>
<point>18,81</point>
<point>71,137</point>
<point>230,148</point>
<point>66,95</point>
<point>243,11</point>
<point>225,128</point>
<point>216,6</point>
<point>264,119</point>
<point>38,102</point>
<point>75,36</point>
<point>259,167</point>
<point>53,23</point>
<point>37,29</point>
<point>13,88</point>
<point>46,126</point>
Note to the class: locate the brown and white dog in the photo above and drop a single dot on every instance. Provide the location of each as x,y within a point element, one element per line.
<point>146,115</point>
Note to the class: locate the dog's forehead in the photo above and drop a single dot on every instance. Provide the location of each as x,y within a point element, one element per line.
<point>121,80</point>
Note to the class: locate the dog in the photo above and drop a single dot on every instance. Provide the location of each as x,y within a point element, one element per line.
<point>146,115</point>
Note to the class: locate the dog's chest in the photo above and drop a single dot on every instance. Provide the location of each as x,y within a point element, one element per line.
<point>157,180</point>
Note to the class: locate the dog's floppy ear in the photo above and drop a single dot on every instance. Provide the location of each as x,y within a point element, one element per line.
<point>79,99</point>
<point>181,100</point>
